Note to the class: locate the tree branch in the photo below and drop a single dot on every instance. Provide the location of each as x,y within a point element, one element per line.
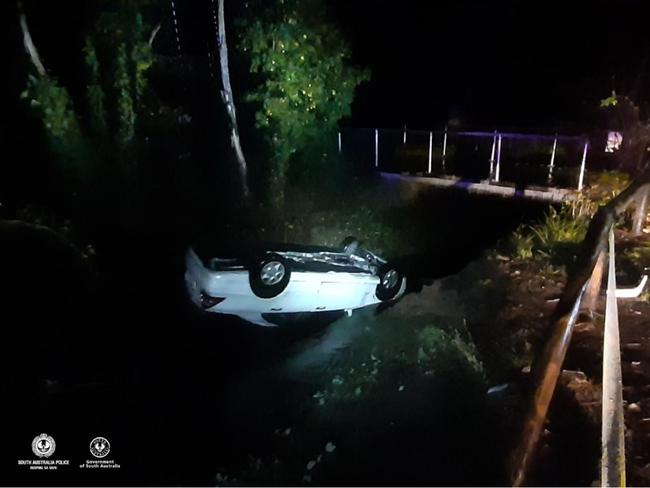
<point>30,47</point>
<point>153,35</point>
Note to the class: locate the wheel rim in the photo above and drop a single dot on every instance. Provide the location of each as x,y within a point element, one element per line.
<point>389,280</point>
<point>272,273</point>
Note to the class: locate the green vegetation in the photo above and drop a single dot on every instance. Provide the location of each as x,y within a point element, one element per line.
<point>117,57</point>
<point>306,85</point>
<point>555,238</point>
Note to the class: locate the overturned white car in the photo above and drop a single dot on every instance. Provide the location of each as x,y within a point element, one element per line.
<point>291,279</point>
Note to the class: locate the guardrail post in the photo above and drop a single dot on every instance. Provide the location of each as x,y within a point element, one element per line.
<point>339,142</point>
<point>494,148</point>
<point>376,148</point>
<point>404,142</point>
<point>581,178</point>
<point>430,149</point>
<point>552,162</point>
<point>640,213</point>
<point>498,168</point>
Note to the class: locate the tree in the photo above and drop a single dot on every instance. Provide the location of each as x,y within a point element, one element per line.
<point>117,55</point>
<point>229,102</point>
<point>307,82</point>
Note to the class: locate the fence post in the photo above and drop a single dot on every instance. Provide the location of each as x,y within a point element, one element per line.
<point>552,163</point>
<point>444,149</point>
<point>340,142</point>
<point>640,214</point>
<point>498,168</point>
<point>581,178</point>
<point>430,149</point>
<point>376,148</point>
<point>494,148</point>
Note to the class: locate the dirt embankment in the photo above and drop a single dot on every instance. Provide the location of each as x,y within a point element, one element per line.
<point>508,304</point>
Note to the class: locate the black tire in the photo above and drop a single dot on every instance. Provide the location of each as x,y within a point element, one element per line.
<point>261,286</point>
<point>350,245</point>
<point>390,283</point>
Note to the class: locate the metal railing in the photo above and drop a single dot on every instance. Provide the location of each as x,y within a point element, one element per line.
<point>581,290</point>
<point>492,157</point>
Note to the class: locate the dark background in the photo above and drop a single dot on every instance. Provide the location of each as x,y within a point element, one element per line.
<point>511,63</point>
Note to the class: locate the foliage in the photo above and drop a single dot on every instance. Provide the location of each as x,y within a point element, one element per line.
<point>53,105</point>
<point>559,232</point>
<point>555,238</point>
<point>120,40</point>
<point>96,97</point>
<point>117,57</point>
<point>307,84</point>
<point>605,185</point>
<point>521,242</point>
<point>440,347</point>
<point>610,101</point>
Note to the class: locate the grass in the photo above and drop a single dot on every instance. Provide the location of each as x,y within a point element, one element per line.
<point>555,238</point>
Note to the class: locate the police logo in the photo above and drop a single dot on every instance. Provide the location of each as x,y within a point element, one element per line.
<point>43,445</point>
<point>100,447</point>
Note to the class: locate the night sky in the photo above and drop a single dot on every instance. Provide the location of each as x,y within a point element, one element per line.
<point>519,64</point>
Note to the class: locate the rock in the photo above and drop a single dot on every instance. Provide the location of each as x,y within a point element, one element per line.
<point>573,375</point>
<point>634,408</point>
<point>583,327</point>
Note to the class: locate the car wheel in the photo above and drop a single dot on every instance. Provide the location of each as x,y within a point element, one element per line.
<point>269,276</point>
<point>350,245</point>
<point>390,284</point>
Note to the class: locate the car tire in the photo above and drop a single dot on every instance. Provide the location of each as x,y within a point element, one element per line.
<point>390,283</point>
<point>350,245</point>
<point>269,276</point>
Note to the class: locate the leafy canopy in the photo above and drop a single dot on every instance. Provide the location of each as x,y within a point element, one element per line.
<point>307,82</point>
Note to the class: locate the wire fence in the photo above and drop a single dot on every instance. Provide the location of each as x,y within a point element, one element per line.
<point>519,159</point>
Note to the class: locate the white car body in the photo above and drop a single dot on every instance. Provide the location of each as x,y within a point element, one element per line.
<point>307,291</point>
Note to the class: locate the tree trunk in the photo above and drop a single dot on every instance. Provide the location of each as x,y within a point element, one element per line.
<point>30,47</point>
<point>229,102</point>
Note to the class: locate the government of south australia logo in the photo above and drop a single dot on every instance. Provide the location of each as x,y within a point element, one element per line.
<point>43,445</point>
<point>100,447</point>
